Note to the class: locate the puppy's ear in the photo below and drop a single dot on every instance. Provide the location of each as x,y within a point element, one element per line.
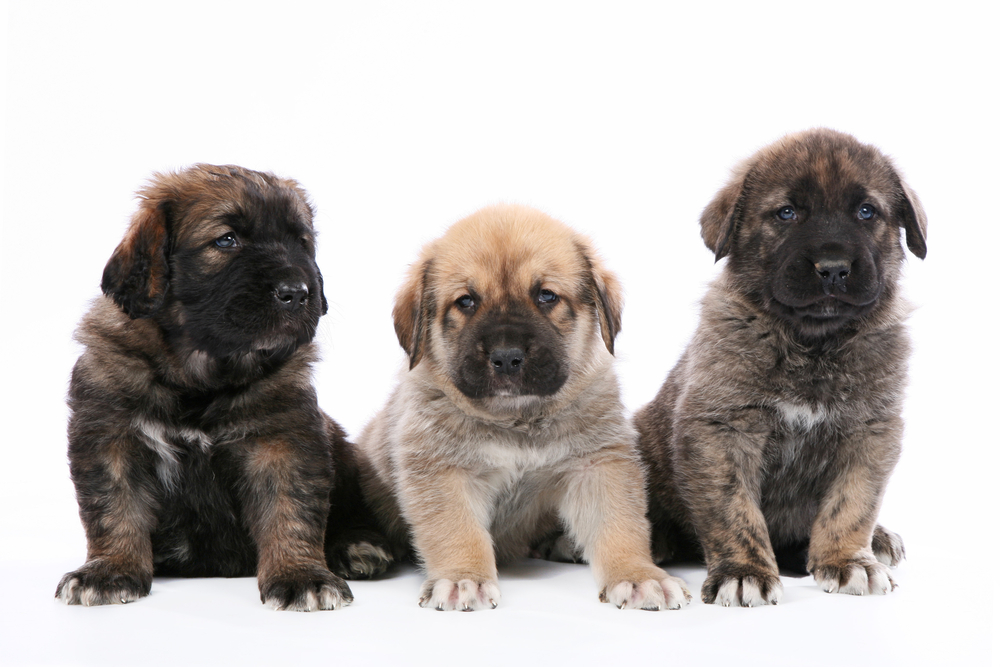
<point>607,295</point>
<point>722,215</point>
<point>322,293</point>
<point>137,274</point>
<point>913,220</point>
<point>410,314</point>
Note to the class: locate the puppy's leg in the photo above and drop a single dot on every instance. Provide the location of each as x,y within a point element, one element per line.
<point>284,497</point>
<point>719,473</point>
<point>841,556</point>
<point>449,511</point>
<point>604,508</point>
<point>116,493</point>
<point>355,547</point>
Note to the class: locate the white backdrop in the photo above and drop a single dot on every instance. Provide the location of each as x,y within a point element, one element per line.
<point>622,119</point>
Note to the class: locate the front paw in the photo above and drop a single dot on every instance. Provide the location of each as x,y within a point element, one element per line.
<point>887,547</point>
<point>308,590</point>
<point>98,583</point>
<point>862,575</point>
<point>731,587</point>
<point>651,595</point>
<point>465,594</point>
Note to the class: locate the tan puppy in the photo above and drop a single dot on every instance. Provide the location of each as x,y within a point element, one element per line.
<point>508,422</point>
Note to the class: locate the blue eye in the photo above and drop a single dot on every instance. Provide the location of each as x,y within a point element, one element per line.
<point>226,241</point>
<point>787,213</point>
<point>465,302</point>
<point>547,297</point>
<point>866,212</point>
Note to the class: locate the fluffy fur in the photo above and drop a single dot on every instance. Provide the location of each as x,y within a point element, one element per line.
<point>195,443</point>
<point>508,423</point>
<point>774,436</point>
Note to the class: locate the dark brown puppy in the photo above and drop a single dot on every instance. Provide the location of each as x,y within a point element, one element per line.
<point>780,425</point>
<point>195,443</point>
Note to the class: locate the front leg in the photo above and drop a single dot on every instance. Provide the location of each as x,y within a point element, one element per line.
<point>604,508</point>
<point>719,469</point>
<point>449,510</point>
<point>284,497</point>
<point>116,491</point>
<point>841,557</point>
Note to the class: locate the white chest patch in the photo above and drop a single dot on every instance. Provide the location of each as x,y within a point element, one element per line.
<point>163,440</point>
<point>802,416</point>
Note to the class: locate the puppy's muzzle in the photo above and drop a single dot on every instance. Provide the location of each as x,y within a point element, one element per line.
<point>291,295</point>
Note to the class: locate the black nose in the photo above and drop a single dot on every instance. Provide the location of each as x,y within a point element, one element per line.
<point>507,361</point>
<point>291,295</point>
<point>833,272</point>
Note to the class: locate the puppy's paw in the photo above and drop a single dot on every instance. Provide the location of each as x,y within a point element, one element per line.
<point>887,547</point>
<point>464,594</point>
<point>307,590</point>
<point>741,588</point>
<point>651,595</point>
<point>860,576</point>
<point>557,547</point>
<point>360,559</point>
<point>98,583</point>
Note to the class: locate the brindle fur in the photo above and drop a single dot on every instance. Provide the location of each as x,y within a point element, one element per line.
<point>777,430</point>
<point>474,465</point>
<point>196,443</point>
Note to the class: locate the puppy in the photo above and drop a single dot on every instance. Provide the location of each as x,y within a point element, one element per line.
<point>777,431</point>
<point>508,422</point>
<point>196,444</point>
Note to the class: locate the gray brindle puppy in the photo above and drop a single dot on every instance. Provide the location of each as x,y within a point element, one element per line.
<point>774,436</point>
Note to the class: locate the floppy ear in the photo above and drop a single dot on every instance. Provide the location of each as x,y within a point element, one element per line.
<point>607,294</point>
<point>410,314</point>
<point>913,220</point>
<point>322,294</point>
<point>136,276</point>
<point>722,215</point>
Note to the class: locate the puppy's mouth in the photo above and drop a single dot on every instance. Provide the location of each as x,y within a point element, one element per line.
<point>826,307</point>
<point>821,317</point>
<point>500,389</point>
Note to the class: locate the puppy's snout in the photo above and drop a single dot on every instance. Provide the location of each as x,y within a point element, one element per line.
<point>291,295</point>
<point>833,272</point>
<point>507,361</point>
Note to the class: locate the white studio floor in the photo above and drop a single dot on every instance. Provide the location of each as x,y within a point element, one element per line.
<point>549,615</point>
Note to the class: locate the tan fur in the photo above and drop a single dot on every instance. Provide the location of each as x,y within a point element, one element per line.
<point>478,480</point>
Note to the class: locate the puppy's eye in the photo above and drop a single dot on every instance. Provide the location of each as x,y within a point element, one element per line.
<point>547,297</point>
<point>866,212</point>
<point>787,213</point>
<point>465,302</point>
<point>227,241</point>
